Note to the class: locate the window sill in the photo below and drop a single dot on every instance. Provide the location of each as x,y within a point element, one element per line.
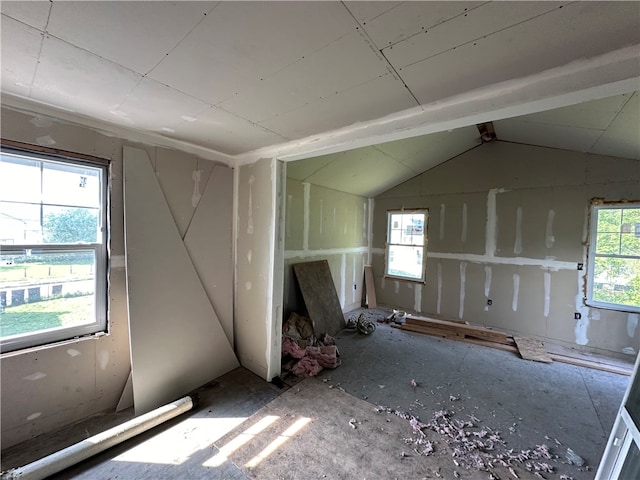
<point>60,344</point>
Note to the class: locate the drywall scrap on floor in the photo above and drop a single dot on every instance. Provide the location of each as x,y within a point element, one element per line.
<point>177,342</point>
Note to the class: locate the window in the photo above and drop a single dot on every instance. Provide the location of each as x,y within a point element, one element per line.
<point>614,257</point>
<point>406,234</point>
<point>53,248</point>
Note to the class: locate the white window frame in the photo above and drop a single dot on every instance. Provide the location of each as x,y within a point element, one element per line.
<point>414,211</point>
<point>596,207</point>
<point>99,249</point>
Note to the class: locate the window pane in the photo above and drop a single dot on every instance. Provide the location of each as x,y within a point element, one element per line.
<point>74,185</point>
<point>608,243</point>
<point>19,223</point>
<point>609,220</point>
<point>405,261</point>
<point>44,291</point>
<point>19,179</point>
<point>617,280</point>
<point>70,225</point>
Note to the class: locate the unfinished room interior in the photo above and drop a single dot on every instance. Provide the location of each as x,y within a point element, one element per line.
<point>341,240</point>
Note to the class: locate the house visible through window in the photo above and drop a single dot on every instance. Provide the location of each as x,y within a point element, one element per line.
<point>406,234</point>
<point>53,248</point>
<point>614,257</point>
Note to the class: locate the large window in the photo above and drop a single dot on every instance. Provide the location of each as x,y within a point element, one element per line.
<point>406,235</point>
<point>53,248</point>
<point>614,257</point>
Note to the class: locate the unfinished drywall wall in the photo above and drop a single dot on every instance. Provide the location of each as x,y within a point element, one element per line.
<point>507,224</point>
<point>44,389</point>
<point>321,223</point>
<point>259,245</point>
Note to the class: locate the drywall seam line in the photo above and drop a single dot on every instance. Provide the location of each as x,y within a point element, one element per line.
<point>288,254</point>
<point>549,238</point>
<point>547,293</point>
<point>321,216</point>
<point>288,215</point>
<point>439,301</point>
<point>516,292</point>
<point>550,264</point>
<point>463,236</point>
<point>307,203</point>
<point>463,281</point>
<point>417,302</point>
<point>234,254</point>
<point>517,244</point>
<point>371,203</point>
<point>343,280</point>
<point>443,209</point>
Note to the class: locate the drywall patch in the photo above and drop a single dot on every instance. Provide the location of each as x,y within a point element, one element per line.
<point>517,244</point>
<point>247,285</point>
<point>72,352</point>
<point>33,416</point>
<point>364,219</point>
<point>581,328</point>
<point>491,229</point>
<point>103,359</point>
<point>547,292</point>
<point>196,175</point>
<point>35,376</point>
<point>417,298</point>
<point>383,283</point>
<point>487,284</point>
<point>249,256</point>
<point>439,300</point>
<point>463,281</point>
<point>250,212</point>
<point>116,262</point>
<point>550,239</point>
<point>396,286</point>
<point>41,122</point>
<point>463,236</point>
<point>632,324</point>
<point>516,292</point>
<point>45,141</point>
<point>629,351</point>
<point>442,215</point>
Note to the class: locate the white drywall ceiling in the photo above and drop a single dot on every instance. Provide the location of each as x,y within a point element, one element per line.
<point>246,78</point>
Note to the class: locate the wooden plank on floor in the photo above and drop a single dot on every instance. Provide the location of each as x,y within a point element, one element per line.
<point>320,296</point>
<point>370,289</point>
<point>430,331</point>
<point>532,349</point>
<point>460,329</point>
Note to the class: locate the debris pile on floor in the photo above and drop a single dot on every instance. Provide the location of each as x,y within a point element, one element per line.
<point>303,354</point>
<point>476,447</point>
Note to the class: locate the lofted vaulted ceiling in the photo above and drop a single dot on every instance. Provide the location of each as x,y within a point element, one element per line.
<point>234,81</point>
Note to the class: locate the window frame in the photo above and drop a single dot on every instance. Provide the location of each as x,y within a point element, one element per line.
<point>596,206</point>
<point>99,249</point>
<point>388,244</point>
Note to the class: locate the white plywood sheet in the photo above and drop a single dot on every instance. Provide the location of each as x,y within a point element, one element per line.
<point>544,42</point>
<point>153,106</point>
<point>306,81</point>
<point>410,18</point>
<point>556,136</point>
<point>177,342</point>
<point>209,243</point>
<point>20,47</point>
<point>218,129</point>
<point>81,81</point>
<point>622,139</point>
<point>33,13</point>
<point>370,100</point>
<point>473,24</point>
<point>136,35</point>
<point>242,42</point>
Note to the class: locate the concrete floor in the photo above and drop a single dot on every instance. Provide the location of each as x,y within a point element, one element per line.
<point>560,405</point>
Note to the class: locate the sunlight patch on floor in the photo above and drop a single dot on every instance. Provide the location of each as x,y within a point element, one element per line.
<point>278,442</point>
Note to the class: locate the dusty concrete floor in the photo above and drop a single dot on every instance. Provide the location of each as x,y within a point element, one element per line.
<point>529,403</point>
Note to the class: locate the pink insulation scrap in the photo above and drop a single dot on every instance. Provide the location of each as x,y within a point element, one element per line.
<point>306,367</point>
<point>291,347</point>
<point>327,356</point>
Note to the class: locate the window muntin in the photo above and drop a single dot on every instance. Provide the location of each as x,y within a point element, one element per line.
<point>614,257</point>
<point>406,234</point>
<point>53,248</point>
